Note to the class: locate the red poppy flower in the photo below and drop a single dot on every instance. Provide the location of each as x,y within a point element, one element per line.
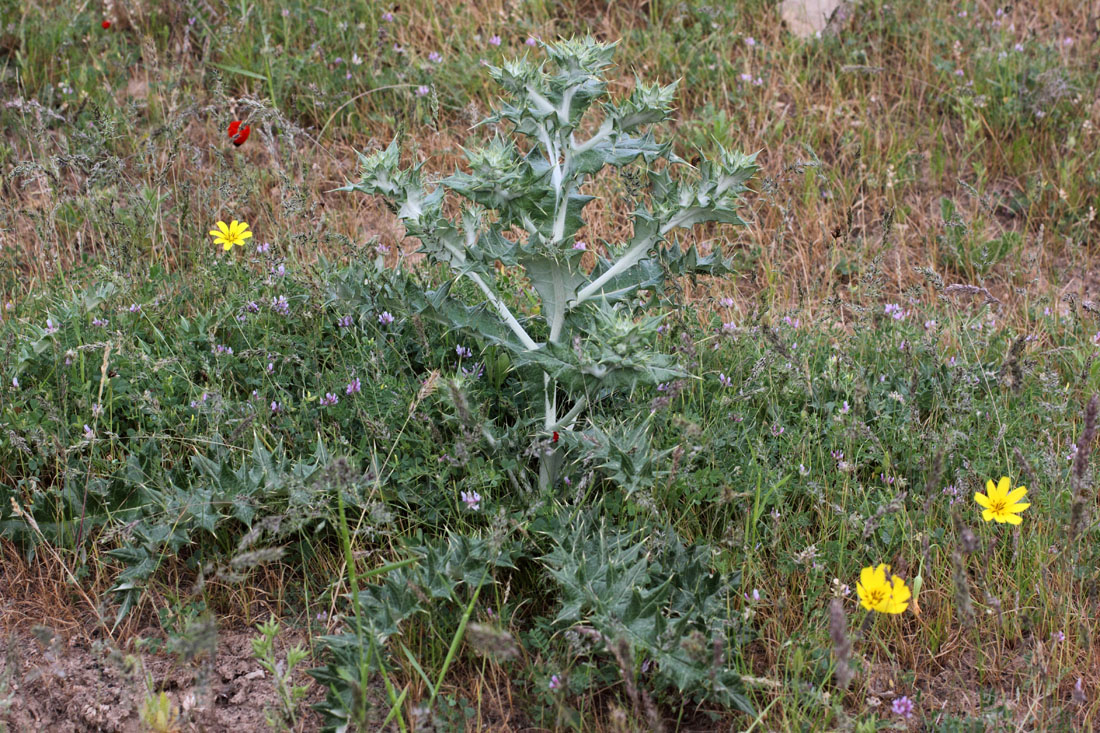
<point>238,133</point>
<point>106,24</point>
<point>555,436</point>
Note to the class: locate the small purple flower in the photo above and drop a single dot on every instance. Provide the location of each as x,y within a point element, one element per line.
<point>97,409</point>
<point>338,60</point>
<point>747,78</point>
<point>494,41</point>
<point>263,247</point>
<point>387,16</point>
<point>581,246</point>
<point>1067,41</point>
<point>750,41</point>
<point>99,322</point>
<point>758,82</point>
<point>903,707</point>
<point>276,408</point>
<point>222,350</point>
<point>475,371</point>
<point>895,311</point>
<point>463,352</point>
<point>15,382</point>
<point>1096,339</point>
<point>729,326</point>
<point>1019,47</point>
<point>903,345</point>
<point>777,429</point>
<point>845,409</point>
<point>270,367</point>
<point>51,327</point>
<point>286,12</point>
<point>280,305</point>
<point>330,398</point>
<point>344,322</point>
<point>1055,638</point>
<point>724,380</point>
<point>792,322</point>
<point>382,249</point>
<point>555,682</point>
<point>252,306</point>
<point>135,308</point>
<point>422,91</point>
<point>354,386</point>
<point>531,41</point>
<point>435,58</point>
<point>472,499</point>
<point>726,302</point>
<point>385,318</point>
<point>888,480</point>
<point>279,271</point>
<point>88,432</point>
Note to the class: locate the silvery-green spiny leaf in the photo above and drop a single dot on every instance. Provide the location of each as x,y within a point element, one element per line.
<point>646,105</point>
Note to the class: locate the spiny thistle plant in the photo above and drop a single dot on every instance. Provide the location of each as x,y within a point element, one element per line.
<point>593,333</point>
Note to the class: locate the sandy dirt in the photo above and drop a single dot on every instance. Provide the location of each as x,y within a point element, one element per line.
<point>62,682</point>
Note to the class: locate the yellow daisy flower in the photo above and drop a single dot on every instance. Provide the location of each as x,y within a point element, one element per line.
<point>877,592</point>
<point>1001,505</point>
<point>227,236</point>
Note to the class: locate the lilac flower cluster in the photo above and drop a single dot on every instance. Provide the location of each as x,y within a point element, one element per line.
<point>895,311</point>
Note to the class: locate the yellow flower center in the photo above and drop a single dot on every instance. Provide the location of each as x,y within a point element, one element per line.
<point>998,506</point>
<point>876,596</point>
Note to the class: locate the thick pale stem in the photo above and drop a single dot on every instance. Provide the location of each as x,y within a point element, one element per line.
<point>624,263</point>
<point>506,314</point>
<point>628,260</point>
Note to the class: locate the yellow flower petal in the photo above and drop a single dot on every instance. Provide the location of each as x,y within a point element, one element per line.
<point>987,515</point>
<point>982,499</point>
<point>245,235</point>
<point>990,488</point>
<point>867,577</point>
<point>1003,486</point>
<point>228,246</point>
<point>1016,494</point>
<point>1017,508</point>
<point>1013,518</point>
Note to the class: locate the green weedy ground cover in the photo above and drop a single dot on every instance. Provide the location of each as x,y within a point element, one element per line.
<point>186,420</point>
